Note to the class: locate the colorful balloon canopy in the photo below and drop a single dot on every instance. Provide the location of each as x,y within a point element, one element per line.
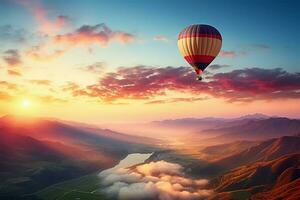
<point>199,45</point>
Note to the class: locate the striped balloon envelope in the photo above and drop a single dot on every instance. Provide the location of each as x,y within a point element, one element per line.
<point>199,45</point>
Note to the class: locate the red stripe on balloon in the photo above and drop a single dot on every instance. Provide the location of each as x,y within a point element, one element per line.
<point>199,59</point>
<point>199,35</point>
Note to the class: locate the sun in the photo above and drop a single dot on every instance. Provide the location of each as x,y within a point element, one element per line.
<point>26,106</point>
<point>26,103</point>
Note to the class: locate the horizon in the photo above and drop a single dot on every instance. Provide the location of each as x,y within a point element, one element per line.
<point>102,124</point>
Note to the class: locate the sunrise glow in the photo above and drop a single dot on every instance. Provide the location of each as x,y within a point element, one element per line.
<point>26,103</point>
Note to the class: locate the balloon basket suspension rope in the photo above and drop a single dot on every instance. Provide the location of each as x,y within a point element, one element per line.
<point>199,73</point>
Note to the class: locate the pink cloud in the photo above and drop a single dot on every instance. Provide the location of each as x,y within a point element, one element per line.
<point>85,36</point>
<point>40,13</point>
<point>98,34</point>
<point>147,83</point>
<point>229,54</point>
<point>12,57</point>
<point>41,53</point>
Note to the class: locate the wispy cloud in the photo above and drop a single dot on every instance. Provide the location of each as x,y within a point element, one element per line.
<point>4,96</point>
<point>50,99</point>
<point>261,46</point>
<point>12,57</point>
<point>217,67</point>
<point>229,54</point>
<point>9,33</point>
<point>40,82</point>
<point>47,25</point>
<point>174,100</point>
<point>8,85</point>
<point>13,72</point>
<point>95,68</point>
<point>161,38</point>
<point>12,91</point>
<point>97,34</point>
<point>42,52</point>
<point>85,37</point>
<point>247,50</point>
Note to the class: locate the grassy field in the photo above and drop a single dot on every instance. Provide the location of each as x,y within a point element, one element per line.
<point>83,188</point>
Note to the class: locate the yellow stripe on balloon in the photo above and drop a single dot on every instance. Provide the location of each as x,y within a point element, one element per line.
<point>199,46</point>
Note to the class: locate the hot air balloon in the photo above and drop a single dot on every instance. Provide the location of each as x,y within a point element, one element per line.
<point>199,45</point>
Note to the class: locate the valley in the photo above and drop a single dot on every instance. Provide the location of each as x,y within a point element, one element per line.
<point>47,159</point>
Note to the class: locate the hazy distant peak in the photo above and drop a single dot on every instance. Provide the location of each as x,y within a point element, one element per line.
<point>203,119</point>
<point>255,116</point>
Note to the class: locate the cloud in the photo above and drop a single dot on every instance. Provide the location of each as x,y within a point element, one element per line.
<point>42,53</point>
<point>229,54</point>
<point>138,82</point>
<point>75,89</point>
<point>7,90</point>
<point>12,57</point>
<point>95,68</point>
<point>9,33</point>
<point>157,168</point>
<point>4,96</point>
<point>85,36</point>
<point>261,46</point>
<point>216,67</point>
<point>8,85</point>
<point>148,83</point>
<point>13,72</point>
<point>40,13</point>
<point>161,38</point>
<point>40,82</point>
<point>159,180</point>
<point>255,84</point>
<point>50,99</point>
<point>10,91</point>
<point>175,100</point>
<point>70,86</point>
<point>97,34</point>
<point>247,50</point>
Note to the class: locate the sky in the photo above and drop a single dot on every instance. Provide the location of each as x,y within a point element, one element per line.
<point>118,61</point>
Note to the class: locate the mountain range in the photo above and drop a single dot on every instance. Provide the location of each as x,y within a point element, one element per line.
<point>255,129</point>
<point>207,122</point>
<point>252,157</point>
<point>264,151</point>
<point>38,152</point>
<point>275,179</point>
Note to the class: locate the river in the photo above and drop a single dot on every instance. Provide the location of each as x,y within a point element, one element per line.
<point>128,161</point>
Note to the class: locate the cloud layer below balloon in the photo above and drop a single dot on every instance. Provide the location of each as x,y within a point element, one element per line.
<point>159,180</point>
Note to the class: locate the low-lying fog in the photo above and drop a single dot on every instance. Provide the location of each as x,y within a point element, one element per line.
<point>132,179</point>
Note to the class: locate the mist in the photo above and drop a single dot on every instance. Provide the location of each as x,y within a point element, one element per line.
<point>159,180</point>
